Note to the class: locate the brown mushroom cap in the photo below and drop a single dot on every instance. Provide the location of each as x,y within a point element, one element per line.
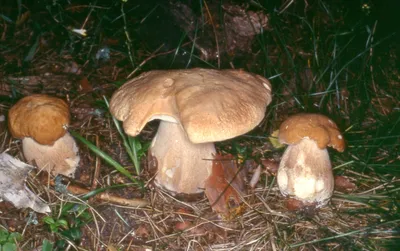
<point>211,105</point>
<point>316,127</point>
<point>40,117</point>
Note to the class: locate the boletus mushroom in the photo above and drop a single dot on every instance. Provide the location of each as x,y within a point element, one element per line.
<point>305,172</point>
<point>196,107</point>
<point>41,122</point>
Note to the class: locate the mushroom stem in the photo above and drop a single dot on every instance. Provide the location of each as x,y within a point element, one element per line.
<point>182,166</point>
<point>60,158</point>
<point>305,173</point>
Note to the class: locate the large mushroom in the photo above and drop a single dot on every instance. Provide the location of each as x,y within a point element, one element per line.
<point>41,122</point>
<point>196,107</point>
<point>305,172</point>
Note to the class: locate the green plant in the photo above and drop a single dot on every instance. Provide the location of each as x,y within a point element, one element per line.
<point>67,225</point>
<point>8,241</point>
<point>55,225</point>
<point>134,148</point>
<point>47,245</point>
<point>107,158</point>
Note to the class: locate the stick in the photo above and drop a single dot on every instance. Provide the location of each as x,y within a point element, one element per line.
<point>104,196</point>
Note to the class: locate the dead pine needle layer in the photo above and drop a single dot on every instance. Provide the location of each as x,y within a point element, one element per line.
<point>337,58</point>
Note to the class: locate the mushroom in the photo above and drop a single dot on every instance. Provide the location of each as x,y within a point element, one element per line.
<point>305,171</point>
<point>196,107</point>
<point>41,122</point>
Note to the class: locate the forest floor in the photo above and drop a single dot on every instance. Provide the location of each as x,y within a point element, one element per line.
<point>340,60</point>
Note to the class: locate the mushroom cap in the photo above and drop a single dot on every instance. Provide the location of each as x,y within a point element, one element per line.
<point>316,127</point>
<point>40,117</point>
<point>211,105</point>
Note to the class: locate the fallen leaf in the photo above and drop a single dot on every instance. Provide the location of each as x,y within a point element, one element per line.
<point>12,185</point>
<point>142,231</point>
<point>270,165</point>
<point>183,210</point>
<point>23,18</point>
<point>343,184</point>
<point>298,206</point>
<point>111,248</point>
<point>85,86</point>
<point>183,225</point>
<point>225,186</point>
<point>293,204</point>
<point>274,140</point>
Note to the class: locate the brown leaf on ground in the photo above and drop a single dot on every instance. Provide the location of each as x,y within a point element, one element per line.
<point>225,186</point>
<point>297,206</point>
<point>343,184</point>
<point>85,86</point>
<point>293,204</point>
<point>23,18</point>
<point>183,225</point>
<point>270,165</point>
<point>142,231</point>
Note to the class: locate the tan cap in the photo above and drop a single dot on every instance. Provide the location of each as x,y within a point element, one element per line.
<point>40,117</point>
<point>316,127</point>
<point>211,105</point>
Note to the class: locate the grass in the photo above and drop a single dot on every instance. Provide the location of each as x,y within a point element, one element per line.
<point>337,60</point>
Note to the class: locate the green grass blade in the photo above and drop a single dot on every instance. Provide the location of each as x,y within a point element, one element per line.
<point>106,157</point>
<point>344,234</point>
<point>130,148</point>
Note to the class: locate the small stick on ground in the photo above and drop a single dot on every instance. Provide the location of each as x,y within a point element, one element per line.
<point>96,172</point>
<point>104,196</point>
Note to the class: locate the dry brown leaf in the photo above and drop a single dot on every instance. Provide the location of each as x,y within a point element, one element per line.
<point>143,231</point>
<point>183,225</point>
<point>85,86</point>
<point>343,184</point>
<point>296,206</point>
<point>23,18</point>
<point>225,186</point>
<point>270,165</point>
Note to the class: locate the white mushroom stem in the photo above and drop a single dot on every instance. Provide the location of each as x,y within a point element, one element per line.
<point>182,166</point>
<point>60,158</point>
<point>305,173</point>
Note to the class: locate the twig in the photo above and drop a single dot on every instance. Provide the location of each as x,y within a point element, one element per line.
<point>79,190</point>
<point>215,34</point>
<point>145,61</point>
<point>96,172</point>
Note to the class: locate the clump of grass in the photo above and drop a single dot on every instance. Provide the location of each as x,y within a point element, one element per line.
<point>330,69</point>
<point>133,147</point>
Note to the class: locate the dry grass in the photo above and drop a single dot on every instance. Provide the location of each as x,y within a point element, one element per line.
<point>313,66</point>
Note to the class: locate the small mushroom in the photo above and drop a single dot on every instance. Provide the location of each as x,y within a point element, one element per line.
<point>196,107</point>
<point>41,122</point>
<point>305,171</point>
